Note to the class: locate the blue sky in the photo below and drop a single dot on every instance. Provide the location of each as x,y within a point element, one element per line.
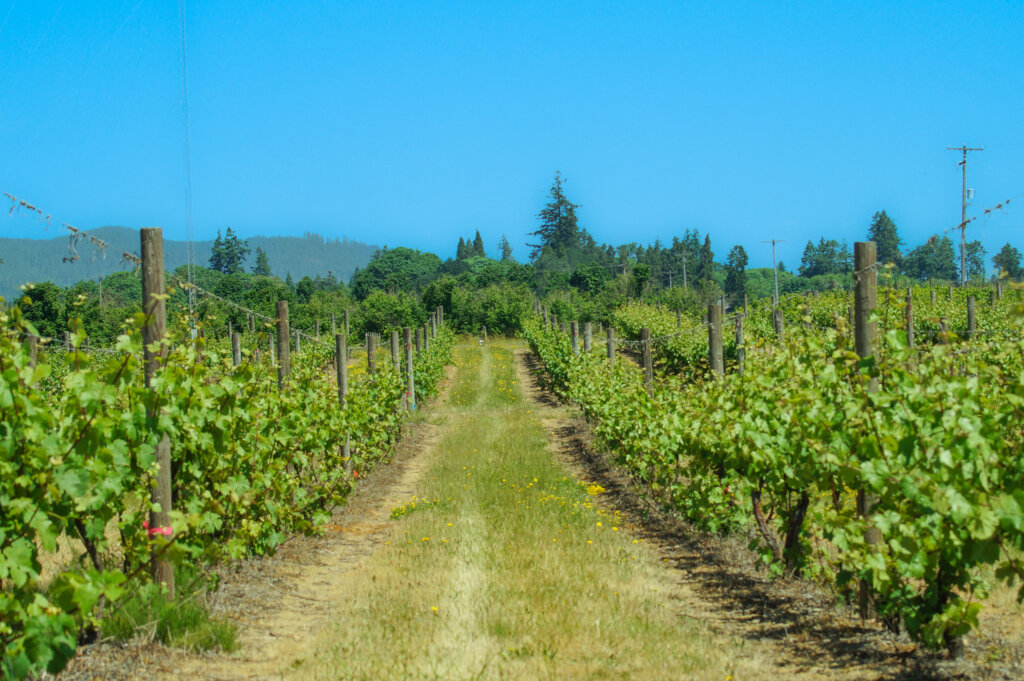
<point>412,123</point>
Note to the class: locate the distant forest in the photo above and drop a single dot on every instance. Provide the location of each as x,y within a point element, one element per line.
<point>39,260</point>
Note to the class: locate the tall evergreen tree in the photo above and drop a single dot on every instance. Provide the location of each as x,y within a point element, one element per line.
<point>235,251</point>
<point>736,272</point>
<point>506,249</point>
<point>705,269</point>
<point>478,245</point>
<point>460,250</point>
<point>1008,260</point>
<point>262,266</point>
<point>217,253</point>
<point>558,226</point>
<point>887,240</point>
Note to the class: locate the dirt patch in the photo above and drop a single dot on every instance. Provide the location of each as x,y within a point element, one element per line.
<point>281,602</point>
<point>813,636</point>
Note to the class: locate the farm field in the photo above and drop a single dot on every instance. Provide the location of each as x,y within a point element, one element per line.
<point>500,544</point>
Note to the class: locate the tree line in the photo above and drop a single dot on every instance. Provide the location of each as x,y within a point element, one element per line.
<point>566,267</point>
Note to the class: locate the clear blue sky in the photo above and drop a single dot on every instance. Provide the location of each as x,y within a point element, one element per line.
<point>411,123</point>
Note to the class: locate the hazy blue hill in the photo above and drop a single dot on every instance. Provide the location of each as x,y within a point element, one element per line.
<point>34,260</point>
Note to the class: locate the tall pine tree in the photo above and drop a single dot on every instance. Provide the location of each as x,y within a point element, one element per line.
<point>558,229</point>
<point>887,240</point>
<point>262,266</point>
<point>705,262</point>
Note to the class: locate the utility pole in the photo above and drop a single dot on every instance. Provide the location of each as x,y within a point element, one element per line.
<point>774,266</point>
<point>963,149</point>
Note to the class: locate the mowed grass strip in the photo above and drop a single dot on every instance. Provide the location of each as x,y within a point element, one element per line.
<point>506,567</point>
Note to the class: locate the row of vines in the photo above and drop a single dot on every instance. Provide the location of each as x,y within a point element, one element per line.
<point>251,464</point>
<point>934,432</point>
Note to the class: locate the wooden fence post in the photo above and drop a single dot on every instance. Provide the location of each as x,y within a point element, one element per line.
<point>715,352</point>
<point>648,361</point>
<point>395,351</point>
<point>252,323</point>
<point>419,339</point>
<point>155,308</point>
<point>932,292</point>
<point>741,350</point>
<point>409,373</point>
<point>426,337</point>
<point>679,319</point>
<point>284,364</point>
<point>371,353</point>
<point>910,318</point>
<point>316,328</point>
<point>611,345</point>
<point>32,341</point>
<point>865,301</point>
<point>341,368</point>
<point>972,327</point>
<point>575,332</point>
<point>778,321</point>
<point>588,336</point>
<point>236,349</point>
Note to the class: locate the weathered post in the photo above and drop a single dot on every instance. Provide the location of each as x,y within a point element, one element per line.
<point>283,351</point>
<point>611,345</point>
<point>741,350</point>
<point>409,373</point>
<point>154,307</point>
<point>485,332</point>
<point>865,331</point>
<point>426,337</point>
<point>371,353</point>
<point>910,318</point>
<point>575,332</point>
<point>346,322</point>
<point>779,323</point>
<point>932,292</point>
<point>316,329</point>
<point>679,319</point>
<point>252,323</point>
<point>341,367</point>
<point>395,350</point>
<point>236,349</point>
<point>419,340</point>
<point>715,352</point>
<point>648,361</point>
<point>972,325</point>
<point>32,342</point>
<point>588,336</point>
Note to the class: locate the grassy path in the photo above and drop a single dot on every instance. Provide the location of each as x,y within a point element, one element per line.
<point>504,566</point>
